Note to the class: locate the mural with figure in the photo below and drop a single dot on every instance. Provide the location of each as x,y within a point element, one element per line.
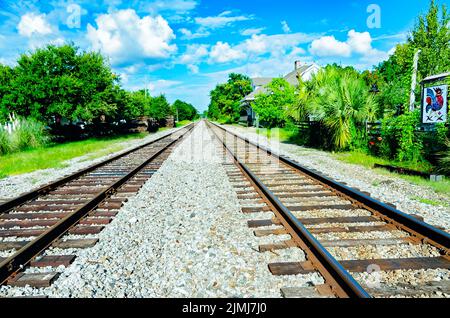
<point>435,104</point>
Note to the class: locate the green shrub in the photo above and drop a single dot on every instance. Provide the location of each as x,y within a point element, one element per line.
<point>5,144</point>
<point>272,106</point>
<point>226,120</point>
<point>27,134</point>
<point>400,142</point>
<point>444,162</point>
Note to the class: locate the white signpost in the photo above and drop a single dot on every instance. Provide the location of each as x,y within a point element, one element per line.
<point>435,106</point>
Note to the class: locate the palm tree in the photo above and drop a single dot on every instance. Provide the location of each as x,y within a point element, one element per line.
<point>342,100</point>
<point>301,108</point>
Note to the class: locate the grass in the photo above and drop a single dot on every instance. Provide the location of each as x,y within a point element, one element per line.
<point>430,202</point>
<point>284,134</point>
<point>441,187</point>
<point>365,160</point>
<point>25,134</point>
<point>55,155</point>
<point>183,123</point>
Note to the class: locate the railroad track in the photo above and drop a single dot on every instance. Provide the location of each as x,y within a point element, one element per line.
<point>68,213</point>
<point>347,236</point>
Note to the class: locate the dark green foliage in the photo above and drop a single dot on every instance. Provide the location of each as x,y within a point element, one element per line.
<point>60,81</point>
<point>6,74</point>
<point>431,35</point>
<point>273,105</point>
<point>159,108</point>
<point>226,98</point>
<point>442,142</point>
<point>184,111</point>
<point>139,104</point>
<point>400,140</point>
<point>444,162</point>
<point>343,104</point>
<point>142,104</point>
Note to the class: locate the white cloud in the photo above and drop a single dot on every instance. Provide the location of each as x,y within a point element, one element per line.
<point>193,68</point>
<point>179,6</point>
<point>205,24</point>
<point>160,86</point>
<point>258,47</point>
<point>223,53</point>
<point>285,27</point>
<point>251,31</point>
<point>124,36</point>
<point>360,42</point>
<point>194,55</point>
<point>270,67</point>
<point>257,44</point>
<point>398,36</point>
<point>220,21</point>
<point>188,35</point>
<point>276,44</point>
<point>33,23</point>
<point>329,46</point>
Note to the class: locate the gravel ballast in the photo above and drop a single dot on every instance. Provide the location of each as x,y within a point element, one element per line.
<point>182,235</point>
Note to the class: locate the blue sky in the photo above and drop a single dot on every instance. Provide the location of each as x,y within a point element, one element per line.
<point>183,48</point>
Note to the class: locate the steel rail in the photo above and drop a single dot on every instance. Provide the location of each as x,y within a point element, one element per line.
<point>429,233</point>
<point>23,256</point>
<point>8,205</point>
<point>334,270</point>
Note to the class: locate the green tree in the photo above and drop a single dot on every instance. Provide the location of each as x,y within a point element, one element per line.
<point>185,110</point>
<point>342,101</point>
<point>226,98</point>
<point>431,35</point>
<point>6,74</point>
<point>273,105</point>
<point>140,104</point>
<point>60,81</point>
<point>122,102</point>
<point>300,109</point>
<point>160,108</point>
<point>217,99</point>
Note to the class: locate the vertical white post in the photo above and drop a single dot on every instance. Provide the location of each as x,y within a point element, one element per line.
<point>412,96</point>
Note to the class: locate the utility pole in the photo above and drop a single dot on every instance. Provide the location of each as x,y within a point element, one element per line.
<point>147,86</point>
<point>412,96</point>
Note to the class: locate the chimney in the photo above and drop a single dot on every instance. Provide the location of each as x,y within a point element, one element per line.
<point>297,65</point>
